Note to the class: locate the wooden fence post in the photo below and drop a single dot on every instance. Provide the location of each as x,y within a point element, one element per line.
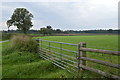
<point>82,54</point>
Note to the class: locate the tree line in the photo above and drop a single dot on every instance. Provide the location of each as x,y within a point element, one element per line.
<point>48,30</point>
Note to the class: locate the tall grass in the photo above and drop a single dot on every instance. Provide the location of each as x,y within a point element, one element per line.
<point>18,64</point>
<point>23,43</point>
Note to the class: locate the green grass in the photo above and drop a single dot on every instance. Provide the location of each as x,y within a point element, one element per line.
<point>0,61</point>
<point>17,64</point>
<point>26,66</point>
<point>105,42</point>
<point>109,42</point>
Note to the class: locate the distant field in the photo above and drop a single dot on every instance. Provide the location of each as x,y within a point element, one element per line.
<point>105,42</point>
<point>80,34</point>
<point>109,42</point>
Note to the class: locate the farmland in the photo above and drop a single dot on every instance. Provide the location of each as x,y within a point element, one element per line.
<point>104,42</point>
<point>23,66</point>
<point>107,42</point>
<point>30,65</point>
<point>54,39</point>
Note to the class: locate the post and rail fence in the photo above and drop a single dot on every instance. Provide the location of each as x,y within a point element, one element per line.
<point>75,61</point>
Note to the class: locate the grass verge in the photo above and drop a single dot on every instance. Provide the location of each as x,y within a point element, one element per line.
<point>16,64</point>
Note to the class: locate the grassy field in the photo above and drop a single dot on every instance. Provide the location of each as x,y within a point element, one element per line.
<point>18,64</point>
<point>105,42</point>
<point>109,42</point>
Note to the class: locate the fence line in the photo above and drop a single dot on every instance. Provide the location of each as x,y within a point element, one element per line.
<point>100,51</point>
<point>78,63</point>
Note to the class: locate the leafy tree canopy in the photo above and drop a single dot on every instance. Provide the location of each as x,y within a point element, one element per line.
<point>21,18</point>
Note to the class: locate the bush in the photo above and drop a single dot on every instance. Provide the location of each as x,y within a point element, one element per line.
<point>24,43</point>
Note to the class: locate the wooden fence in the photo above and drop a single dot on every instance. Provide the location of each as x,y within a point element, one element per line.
<point>75,63</point>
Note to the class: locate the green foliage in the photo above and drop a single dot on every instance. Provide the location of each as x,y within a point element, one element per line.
<point>22,19</point>
<point>48,27</point>
<point>46,31</point>
<point>25,65</point>
<point>6,36</point>
<point>17,64</point>
<point>24,43</point>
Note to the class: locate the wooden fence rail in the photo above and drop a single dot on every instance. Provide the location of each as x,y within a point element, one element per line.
<point>82,58</point>
<point>100,51</point>
<point>78,63</point>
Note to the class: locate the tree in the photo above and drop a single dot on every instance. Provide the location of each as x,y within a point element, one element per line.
<point>58,31</point>
<point>48,27</point>
<point>9,23</point>
<point>49,30</point>
<point>43,31</point>
<point>46,31</point>
<point>22,19</point>
<point>110,30</point>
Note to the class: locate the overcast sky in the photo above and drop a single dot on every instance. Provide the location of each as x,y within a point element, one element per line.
<point>66,15</point>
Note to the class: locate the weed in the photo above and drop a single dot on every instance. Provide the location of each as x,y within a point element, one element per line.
<point>23,43</point>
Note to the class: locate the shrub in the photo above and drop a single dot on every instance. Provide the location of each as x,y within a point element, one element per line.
<point>24,43</point>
